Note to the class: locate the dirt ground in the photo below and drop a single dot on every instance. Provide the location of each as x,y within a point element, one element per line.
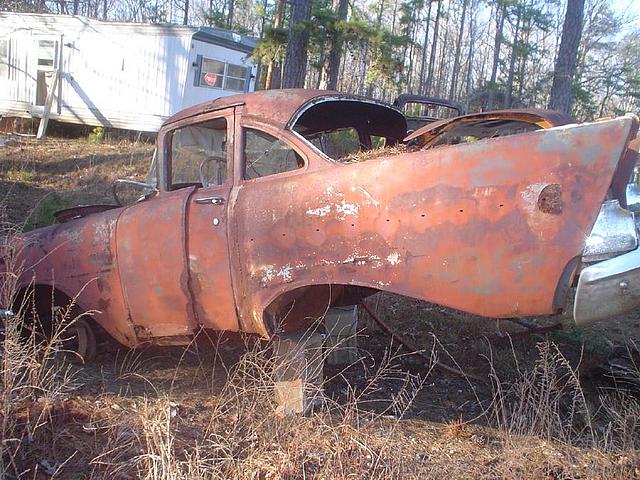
<point>416,419</point>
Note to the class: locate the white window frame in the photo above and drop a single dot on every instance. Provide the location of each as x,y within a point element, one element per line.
<point>57,62</point>
<point>56,53</point>
<point>198,76</point>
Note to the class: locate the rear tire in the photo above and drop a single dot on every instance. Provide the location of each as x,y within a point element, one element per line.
<point>79,342</point>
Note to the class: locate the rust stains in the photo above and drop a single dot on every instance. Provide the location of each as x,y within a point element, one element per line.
<point>463,226</point>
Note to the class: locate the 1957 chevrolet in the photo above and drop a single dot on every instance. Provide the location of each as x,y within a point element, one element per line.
<point>257,217</point>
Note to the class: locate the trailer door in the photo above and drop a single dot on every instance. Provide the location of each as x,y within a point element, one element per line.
<point>47,61</point>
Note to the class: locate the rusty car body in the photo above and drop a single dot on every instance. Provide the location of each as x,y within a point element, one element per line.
<point>252,223</point>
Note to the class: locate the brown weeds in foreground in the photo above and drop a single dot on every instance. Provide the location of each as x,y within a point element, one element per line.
<point>544,427</point>
<point>241,437</point>
<point>549,401</point>
<point>34,373</point>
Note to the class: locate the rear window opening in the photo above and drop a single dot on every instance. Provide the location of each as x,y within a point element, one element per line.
<point>429,111</point>
<point>345,127</point>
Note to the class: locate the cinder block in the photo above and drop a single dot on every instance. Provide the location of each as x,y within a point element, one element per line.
<point>298,372</point>
<point>341,344</point>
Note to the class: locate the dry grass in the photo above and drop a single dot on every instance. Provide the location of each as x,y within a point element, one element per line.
<point>363,156</point>
<point>549,401</point>
<point>239,436</point>
<point>58,173</point>
<point>34,371</point>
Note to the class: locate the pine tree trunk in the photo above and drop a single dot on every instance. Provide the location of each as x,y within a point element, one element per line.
<point>434,44</point>
<point>232,5</point>
<point>395,14</point>
<point>369,85</point>
<point>456,60</point>
<point>424,50</point>
<point>523,62</point>
<point>414,41</point>
<point>565,67</point>
<point>335,53</point>
<point>440,86</point>
<point>472,30</point>
<point>273,78</point>
<point>501,13</point>
<point>295,62</point>
<point>512,64</point>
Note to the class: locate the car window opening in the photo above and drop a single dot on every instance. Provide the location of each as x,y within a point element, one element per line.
<point>468,132</point>
<point>342,128</point>
<point>266,155</point>
<point>199,154</point>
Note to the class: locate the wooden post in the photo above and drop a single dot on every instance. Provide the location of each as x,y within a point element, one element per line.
<point>42,127</point>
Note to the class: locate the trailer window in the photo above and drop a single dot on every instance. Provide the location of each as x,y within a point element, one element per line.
<point>217,74</point>
<point>235,77</point>
<point>46,53</point>
<point>199,154</point>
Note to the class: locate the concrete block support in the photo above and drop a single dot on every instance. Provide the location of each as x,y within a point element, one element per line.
<point>298,372</point>
<point>341,343</point>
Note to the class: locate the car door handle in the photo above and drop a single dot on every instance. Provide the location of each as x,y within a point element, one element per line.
<point>210,200</point>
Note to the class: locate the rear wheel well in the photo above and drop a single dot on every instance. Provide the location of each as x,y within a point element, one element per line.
<point>299,308</point>
<point>38,303</point>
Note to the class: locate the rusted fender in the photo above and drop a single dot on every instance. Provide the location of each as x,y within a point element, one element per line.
<point>79,259</point>
<point>487,227</point>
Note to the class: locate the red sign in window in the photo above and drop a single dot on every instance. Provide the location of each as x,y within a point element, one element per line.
<point>210,78</point>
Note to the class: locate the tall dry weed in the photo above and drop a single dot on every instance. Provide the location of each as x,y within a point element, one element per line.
<point>243,438</point>
<point>34,371</point>
<point>549,401</point>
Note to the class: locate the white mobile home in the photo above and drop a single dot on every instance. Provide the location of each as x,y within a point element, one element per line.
<point>121,75</point>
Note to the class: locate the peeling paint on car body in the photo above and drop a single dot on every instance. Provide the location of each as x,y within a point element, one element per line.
<point>461,226</point>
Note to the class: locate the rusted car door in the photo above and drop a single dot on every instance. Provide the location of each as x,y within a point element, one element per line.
<point>172,250</point>
<point>208,224</point>
<point>265,162</point>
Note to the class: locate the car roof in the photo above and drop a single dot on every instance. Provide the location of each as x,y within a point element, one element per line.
<point>276,107</point>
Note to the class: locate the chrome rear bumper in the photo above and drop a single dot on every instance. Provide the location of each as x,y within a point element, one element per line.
<point>608,288</point>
